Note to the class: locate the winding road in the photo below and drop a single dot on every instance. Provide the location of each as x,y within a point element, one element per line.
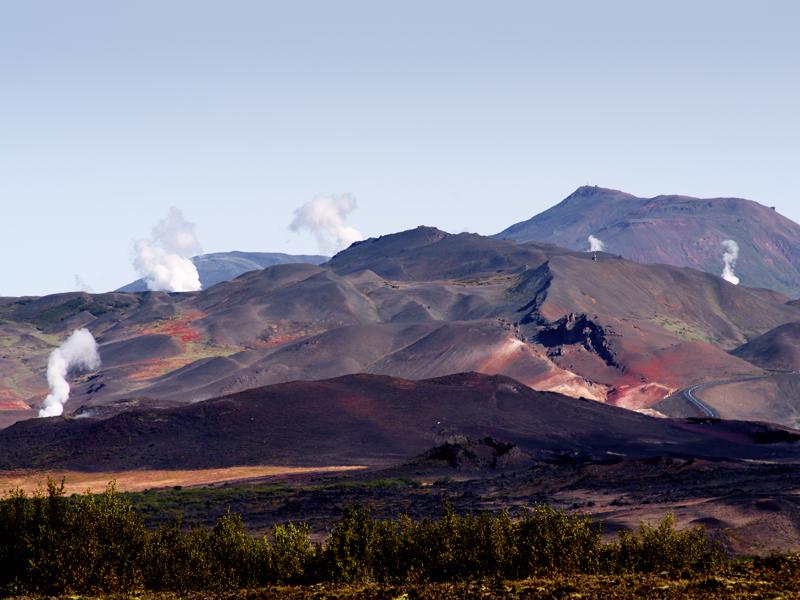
<point>688,393</point>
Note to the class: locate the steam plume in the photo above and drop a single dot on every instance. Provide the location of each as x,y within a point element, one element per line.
<point>81,285</point>
<point>325,216</point>
<point>78,351</point>
<point>163,260</point>
<point>596,244</point>
<point>729,261</point>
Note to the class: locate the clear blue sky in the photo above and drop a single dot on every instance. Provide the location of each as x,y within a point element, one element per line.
<point>465,115</point>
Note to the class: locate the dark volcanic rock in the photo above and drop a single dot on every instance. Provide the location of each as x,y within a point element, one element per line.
<point>579,329</point>
<point>476,455</point>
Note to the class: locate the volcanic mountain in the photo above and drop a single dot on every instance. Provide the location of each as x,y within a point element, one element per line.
<point>224,266</point>
<point>416,304</point>
<point>676,230</point>
<point>372,420</point>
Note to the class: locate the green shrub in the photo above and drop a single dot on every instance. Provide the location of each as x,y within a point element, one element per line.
<point>51,544</point>
<point>552,541</point>
<point>234,556</point>
<point>289,556</point>
<point>661,548</point>
<point>16,521</point>
<point>356,546</point>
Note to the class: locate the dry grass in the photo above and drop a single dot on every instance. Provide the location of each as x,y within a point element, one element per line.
<point>136,481</point>
<point>687,331</point>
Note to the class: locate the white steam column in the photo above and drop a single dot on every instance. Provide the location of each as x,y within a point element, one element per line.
<point>164,260</point>
<point>729,261</point>
<point>325,217</point>
<point>79,351</point>
<point>596,244</point>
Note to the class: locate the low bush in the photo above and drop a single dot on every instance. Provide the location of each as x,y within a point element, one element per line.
<point>662,548</point>
<point>52,544</point>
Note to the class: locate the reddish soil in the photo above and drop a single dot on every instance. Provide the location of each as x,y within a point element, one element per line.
<point>11,401</point>
<point>179,327</point>
<point>150,369</point>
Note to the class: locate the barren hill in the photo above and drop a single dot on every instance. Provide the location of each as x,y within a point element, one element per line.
<point>369,419</point>
<point>778,349</point>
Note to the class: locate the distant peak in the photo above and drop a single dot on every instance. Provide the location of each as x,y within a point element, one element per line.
<point>429,230</point>
<point>389,244</point>
<point>595,190</point>
<point>422,234</point>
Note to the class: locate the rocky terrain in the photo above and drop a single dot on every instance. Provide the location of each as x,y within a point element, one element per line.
<point>415,304</point>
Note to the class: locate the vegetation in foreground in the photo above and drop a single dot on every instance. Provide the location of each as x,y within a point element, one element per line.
<point>773,579</point>
<point>53,544</point>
